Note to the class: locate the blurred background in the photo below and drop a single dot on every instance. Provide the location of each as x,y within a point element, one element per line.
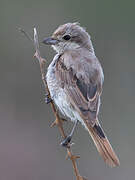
<point>29,148</point>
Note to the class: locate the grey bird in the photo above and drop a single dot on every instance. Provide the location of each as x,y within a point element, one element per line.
<point>75,78</point>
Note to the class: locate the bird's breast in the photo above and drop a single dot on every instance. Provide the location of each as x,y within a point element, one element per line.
<point>52,82</point>
<point>57,93</point>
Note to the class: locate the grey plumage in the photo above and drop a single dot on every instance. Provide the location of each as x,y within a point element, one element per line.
<point>75,78</point>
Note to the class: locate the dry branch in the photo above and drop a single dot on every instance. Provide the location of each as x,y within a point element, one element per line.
<point>58,121</point>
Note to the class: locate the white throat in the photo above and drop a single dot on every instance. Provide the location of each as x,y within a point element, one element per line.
<point>63,46</point>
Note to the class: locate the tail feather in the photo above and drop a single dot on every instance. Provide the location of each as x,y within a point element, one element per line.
<point>103,146</point>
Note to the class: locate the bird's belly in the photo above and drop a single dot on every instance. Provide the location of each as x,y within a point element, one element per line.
<point>64,105</point>
<point>62,102</point>
<point>60,97</point>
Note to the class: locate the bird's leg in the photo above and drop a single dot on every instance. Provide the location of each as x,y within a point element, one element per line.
<point>48,99</point>
<point>67,140</point>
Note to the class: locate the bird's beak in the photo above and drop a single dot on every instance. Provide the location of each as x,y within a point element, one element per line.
<point>50,41</point>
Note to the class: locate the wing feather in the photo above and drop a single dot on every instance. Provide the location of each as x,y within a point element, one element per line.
<point>82,87</point>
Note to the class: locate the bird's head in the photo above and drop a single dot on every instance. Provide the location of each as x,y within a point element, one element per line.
<point>69,36</point>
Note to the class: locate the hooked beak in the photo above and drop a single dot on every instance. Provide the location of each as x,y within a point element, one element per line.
<point>50,41</point>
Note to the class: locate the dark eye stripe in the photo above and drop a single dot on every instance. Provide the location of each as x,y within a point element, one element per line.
<point>67,37</point>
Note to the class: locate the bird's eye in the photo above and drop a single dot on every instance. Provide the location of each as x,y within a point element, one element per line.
<point>66,37</point>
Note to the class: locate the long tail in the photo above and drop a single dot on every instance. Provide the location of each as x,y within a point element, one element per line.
<point>103,145</point>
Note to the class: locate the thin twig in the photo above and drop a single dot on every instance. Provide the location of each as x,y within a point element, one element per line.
<point>58,120</point>
<point>25,33</point>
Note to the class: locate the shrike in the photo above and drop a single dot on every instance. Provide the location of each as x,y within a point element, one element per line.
<point>75,78</point>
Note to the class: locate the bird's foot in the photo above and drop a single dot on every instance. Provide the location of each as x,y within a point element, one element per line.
<point>66,142</point>
<point>47,99</point>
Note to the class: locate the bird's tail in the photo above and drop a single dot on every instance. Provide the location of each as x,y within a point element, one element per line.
<point>103,145</point>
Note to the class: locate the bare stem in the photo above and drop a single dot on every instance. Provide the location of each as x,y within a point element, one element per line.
<point>58,121</point>
<point>25,33</point>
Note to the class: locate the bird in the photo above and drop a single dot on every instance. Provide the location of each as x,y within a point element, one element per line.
<point>75,81</point>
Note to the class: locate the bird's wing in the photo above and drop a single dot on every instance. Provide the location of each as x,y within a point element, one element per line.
<point>82,85</point>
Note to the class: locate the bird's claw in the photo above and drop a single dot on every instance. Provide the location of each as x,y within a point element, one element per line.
<point>66,142</point>
<point>47,99</point>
